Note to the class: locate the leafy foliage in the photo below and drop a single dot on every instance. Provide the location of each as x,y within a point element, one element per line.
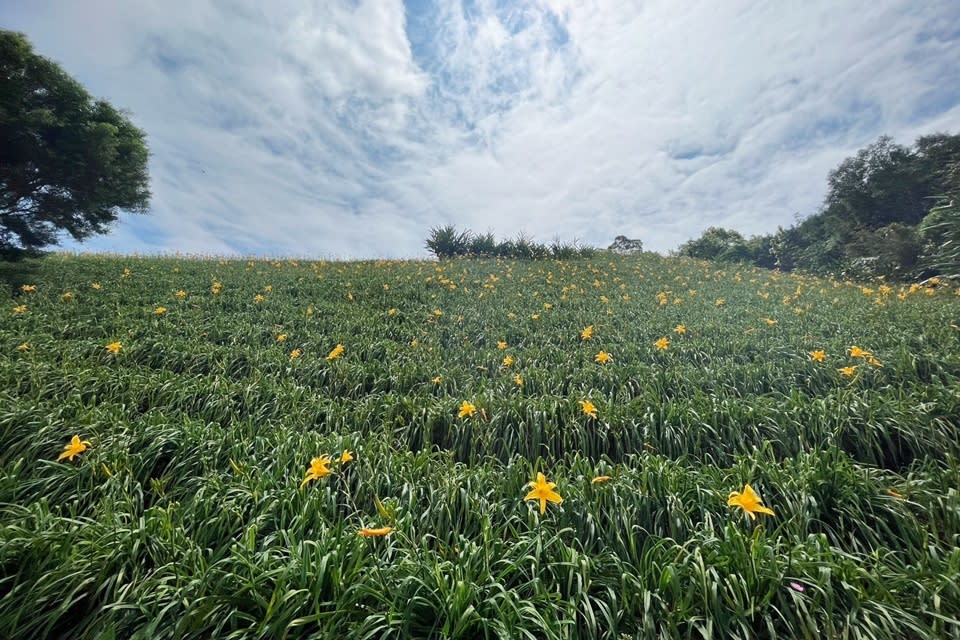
<point>184,517</point>
<point>873,221</point>
<point>447,242</point>
<point>68,163</point>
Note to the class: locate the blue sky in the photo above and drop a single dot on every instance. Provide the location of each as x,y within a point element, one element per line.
<point>347,129</point>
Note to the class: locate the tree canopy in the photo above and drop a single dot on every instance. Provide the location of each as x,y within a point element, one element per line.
<point>889,210</point>
<point>68,163</point>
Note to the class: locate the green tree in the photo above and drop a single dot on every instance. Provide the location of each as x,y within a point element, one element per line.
<point>880,185</point>
<point>68,163</point>
<point>716,243</point>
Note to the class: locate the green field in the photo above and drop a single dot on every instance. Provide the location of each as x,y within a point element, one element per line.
<point>187,515</point>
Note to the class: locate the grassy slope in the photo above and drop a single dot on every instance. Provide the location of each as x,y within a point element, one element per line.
<point>184,517</point>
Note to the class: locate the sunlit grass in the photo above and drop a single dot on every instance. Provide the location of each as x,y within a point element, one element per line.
<point>195,508</point>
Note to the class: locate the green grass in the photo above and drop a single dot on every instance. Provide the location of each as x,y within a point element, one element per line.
<point>184,518</point>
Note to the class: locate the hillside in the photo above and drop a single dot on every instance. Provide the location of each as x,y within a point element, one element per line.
<point>206,389</point>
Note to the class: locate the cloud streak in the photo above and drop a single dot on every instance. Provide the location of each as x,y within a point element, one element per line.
<point>348,129</point>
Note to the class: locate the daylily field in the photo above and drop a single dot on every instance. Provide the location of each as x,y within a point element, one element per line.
<point>621,447</point>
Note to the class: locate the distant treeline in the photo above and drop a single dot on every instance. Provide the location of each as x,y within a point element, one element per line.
<point>448,242</point>
<point>890,211</point>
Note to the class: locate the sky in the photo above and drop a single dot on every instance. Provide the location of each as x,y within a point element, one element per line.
<point>347,129</point>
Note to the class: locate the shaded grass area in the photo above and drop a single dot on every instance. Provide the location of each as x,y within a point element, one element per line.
<point>184,518</point>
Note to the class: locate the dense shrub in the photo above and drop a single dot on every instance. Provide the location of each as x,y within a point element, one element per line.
<point>447,242</point>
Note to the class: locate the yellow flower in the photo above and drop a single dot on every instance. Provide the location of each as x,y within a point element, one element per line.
<point>857,352</point>
<point>587,333</point>
<point>23,346</point>
<point>28,288</point>
<point>160,311</point>
<point>282,337</point>
<point>345,457</point>
<point>96,286</point>
<point>318,469</point>
<point>847,371</point>
<point>181,294</point>
<point>770,321</point>
<point>543,491</point>
<point>502,344</point>
<point>114,347</point>
<point>518,380</point>
<point>215,288</point>
<point>679,329</point>
<point>508,361</point>
<point>819,355</point>
<point>662,343</point>
<point>366,532</point>
<point>76,447</point>
<point>20,308</point>
<point>437,313</point>
<point>268,288</point>
<point>749,501</point>
<point>600,479</point>
<point>467,410</point>
<point>588,408</point>
<point>437,379</point>
<point>66,296</point>
<point>603,357</point>
<point>258,298</point>
<point>873,361</point>
<point>392,311</point>
<point>535,316</point>
<point>720,302</point>
<point>296,353</point>
<point>336,352</point>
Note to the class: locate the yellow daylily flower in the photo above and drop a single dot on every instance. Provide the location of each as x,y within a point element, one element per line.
<point>114,347</point>
<point>601,479</point>
<point>603,357</point>
<point>76,447</point>
<point>588,408</point>
<point>367,532</point>
<point>857,352</point>
<point>679,329</point>
<point>819,355</point>
<point>319,468</point>
<point>662,343</point>
<point>336,352</point>
<point>749,501</point>
<point>543,491</point>
<point>587,333</point>
<point>346,457</point>
<point>467,410</point>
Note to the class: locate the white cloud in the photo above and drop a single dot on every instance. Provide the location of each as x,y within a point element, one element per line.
<point>331,129</point>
